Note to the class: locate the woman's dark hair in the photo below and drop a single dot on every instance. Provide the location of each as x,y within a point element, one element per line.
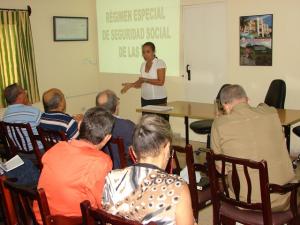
<point>151,45</point>
<point>96,124</point>
<point>150,134</point>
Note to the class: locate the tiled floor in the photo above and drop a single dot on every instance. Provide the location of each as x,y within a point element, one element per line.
<point>205,215</point>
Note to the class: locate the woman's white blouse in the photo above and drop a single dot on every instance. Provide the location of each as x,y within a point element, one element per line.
<point>150,91</point>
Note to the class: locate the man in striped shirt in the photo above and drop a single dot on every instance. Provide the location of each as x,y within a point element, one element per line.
<point>55,117</point>
<point>19,110</point>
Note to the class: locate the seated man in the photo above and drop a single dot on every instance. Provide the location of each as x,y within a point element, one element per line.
<point>256,134</point>
<point>19,110</point>
<point>122,128</point>
<point>54,117</point>
<point>75,171</point>
<point>145,192</point>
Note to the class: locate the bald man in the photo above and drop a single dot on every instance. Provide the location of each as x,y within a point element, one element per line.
<point>255,134</point>
<point>55,117</point>
<point>122,128</point>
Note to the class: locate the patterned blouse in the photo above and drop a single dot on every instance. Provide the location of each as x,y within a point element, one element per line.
<point>143,193</point>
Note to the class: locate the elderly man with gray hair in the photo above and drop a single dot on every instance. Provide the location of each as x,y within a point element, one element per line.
<point>255,134</point>
<point>123,128</point>
<point>55,116</point>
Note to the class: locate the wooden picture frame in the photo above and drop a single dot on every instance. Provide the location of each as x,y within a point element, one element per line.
<point>70,28</point>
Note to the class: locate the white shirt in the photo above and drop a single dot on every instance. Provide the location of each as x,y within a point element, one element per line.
<point>150,91</point>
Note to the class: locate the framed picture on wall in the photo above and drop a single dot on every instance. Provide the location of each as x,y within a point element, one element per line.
<point>256,40</point>
<point>70,28</point>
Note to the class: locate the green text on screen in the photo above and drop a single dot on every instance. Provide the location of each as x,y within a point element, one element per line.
<point>124,25</point>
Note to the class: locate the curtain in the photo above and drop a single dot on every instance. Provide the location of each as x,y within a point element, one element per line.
<point>17,62</point>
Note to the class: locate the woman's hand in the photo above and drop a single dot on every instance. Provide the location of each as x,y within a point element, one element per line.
<point>142,80</point>
<point>126,87</point>
<point>137,84</point>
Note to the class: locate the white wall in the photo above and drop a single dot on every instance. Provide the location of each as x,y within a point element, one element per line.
<point>286,47</point>
<point>71,66</point>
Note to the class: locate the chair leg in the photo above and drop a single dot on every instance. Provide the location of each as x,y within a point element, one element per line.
<point>208,141</point>
<point>196,213</point>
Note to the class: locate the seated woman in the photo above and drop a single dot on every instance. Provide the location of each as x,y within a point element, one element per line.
<point>145,192</point>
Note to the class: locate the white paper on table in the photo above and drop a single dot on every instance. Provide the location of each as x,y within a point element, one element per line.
<point>158,108</point>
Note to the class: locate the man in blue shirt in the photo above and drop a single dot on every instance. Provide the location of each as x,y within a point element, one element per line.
<point>19,110</point>
<point>122,128</point>
<point>54,117</point>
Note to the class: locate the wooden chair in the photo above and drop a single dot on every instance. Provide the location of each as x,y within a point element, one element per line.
<point>91,216</point>
<point>21,139</point>
<point>49,138</point>
<point>5,153</point>
<point>228,209</point>
<point>200,199</point>
<point>7,208</point>
<point>22,199</point>
<point>121,151</point>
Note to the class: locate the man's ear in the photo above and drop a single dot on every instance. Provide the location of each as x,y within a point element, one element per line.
<point>226,108</point>
<point>104,141</point>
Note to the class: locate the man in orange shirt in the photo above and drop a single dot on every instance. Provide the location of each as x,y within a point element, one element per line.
<point>75,171</point>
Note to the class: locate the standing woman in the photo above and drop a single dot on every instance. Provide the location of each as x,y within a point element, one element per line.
<point>152,80</point>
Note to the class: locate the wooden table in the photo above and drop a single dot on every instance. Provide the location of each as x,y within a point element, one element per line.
<point>196,110</point>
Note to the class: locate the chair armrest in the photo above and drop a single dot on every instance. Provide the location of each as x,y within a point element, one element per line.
<point>283,189</point>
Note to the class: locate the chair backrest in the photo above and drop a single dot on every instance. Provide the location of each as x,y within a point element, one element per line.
<point>276,94</point>
<point>121,151</point>
<point>4,142</point>
<point>173,166</point>
<point>7,207</point>
<point>91,216</point>
<point>192,167</point>
<point>21,139</point>
<point>22,199</point>
<point>219,93</point>
<point>221,193</point>
<point>49,138</point>
<point>218,102</point>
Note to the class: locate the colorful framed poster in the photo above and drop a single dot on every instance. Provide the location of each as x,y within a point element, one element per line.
<point>256,40</point>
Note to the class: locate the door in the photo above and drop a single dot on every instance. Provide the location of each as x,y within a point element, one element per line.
<point>204,46</point>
